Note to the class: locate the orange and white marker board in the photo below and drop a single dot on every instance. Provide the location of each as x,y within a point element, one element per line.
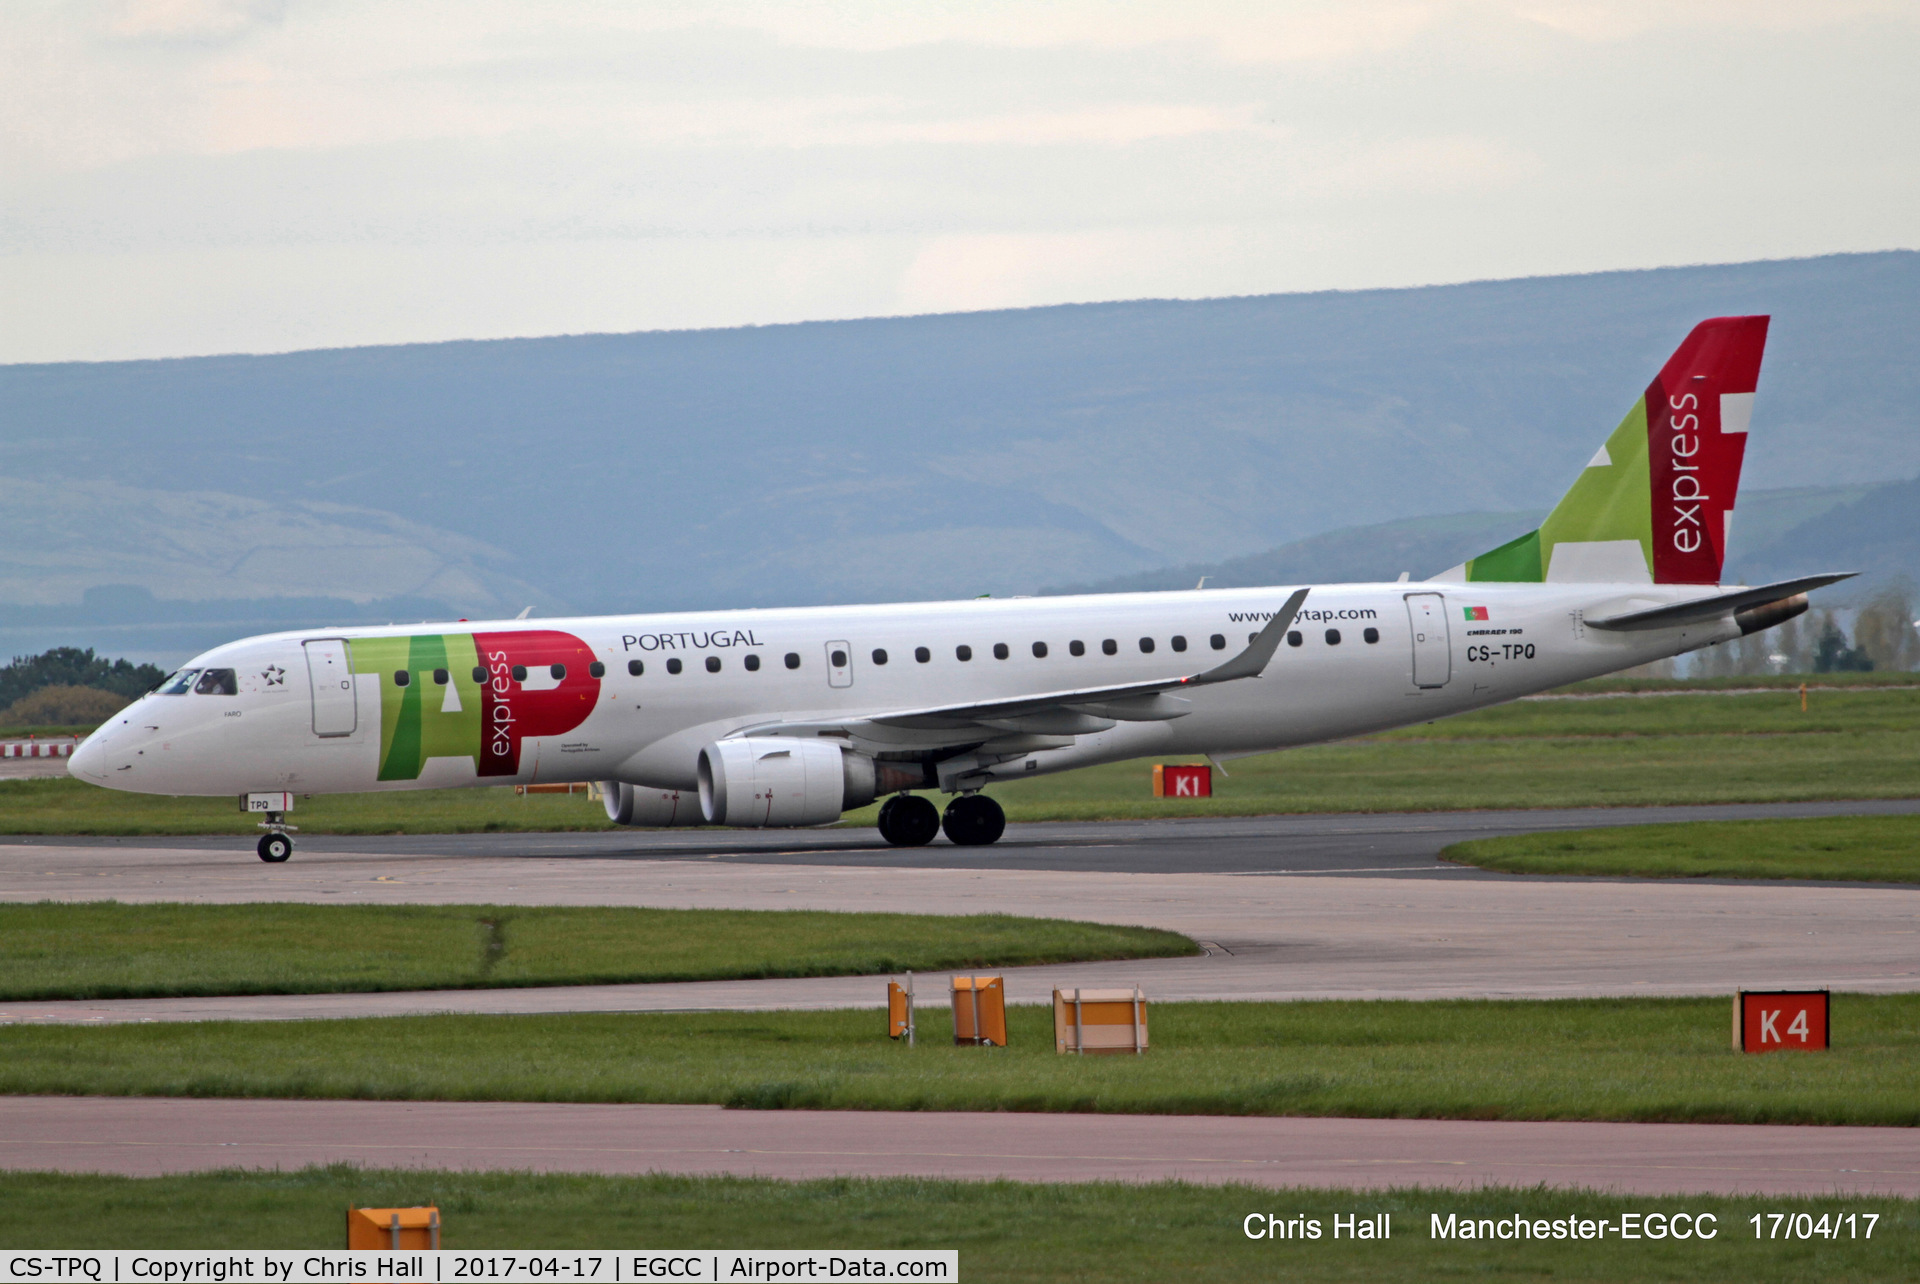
<point>1780,1020</point>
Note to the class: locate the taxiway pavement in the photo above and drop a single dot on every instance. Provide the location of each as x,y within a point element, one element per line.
<point>1369,845</point>
<point>151,1136</point>
<point>1304,935</point>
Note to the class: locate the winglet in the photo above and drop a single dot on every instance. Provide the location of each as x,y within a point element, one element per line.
<point>1251,662</point>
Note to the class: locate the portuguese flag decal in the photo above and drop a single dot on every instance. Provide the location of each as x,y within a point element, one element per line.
<point>1475,612</point>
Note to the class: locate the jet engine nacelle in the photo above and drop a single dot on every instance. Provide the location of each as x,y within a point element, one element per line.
<point>645,805</point>
<point>766,781</point>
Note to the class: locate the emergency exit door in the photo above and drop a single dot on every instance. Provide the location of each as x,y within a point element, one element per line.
<point>1432,645</point>
<point>331,677</point>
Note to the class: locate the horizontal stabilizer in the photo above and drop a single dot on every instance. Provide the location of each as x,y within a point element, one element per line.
<point>1707,608</point>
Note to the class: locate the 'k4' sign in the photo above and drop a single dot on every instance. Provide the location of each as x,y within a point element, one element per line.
<point>1779,1020</point>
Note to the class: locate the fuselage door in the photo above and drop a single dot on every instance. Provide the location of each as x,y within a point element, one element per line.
<point>839,664</point>
<point>331,677</point>
<point>1432,647</point>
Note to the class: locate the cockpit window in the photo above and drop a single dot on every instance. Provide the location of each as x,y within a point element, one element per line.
<point>217,682</point>
<point>180,683</point>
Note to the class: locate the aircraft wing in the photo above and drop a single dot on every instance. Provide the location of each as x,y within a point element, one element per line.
<point>1076,711</point>
<point>1706,608</point>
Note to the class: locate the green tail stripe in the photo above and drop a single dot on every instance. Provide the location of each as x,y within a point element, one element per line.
<point>1609,501</point>
<point>1516,561</point>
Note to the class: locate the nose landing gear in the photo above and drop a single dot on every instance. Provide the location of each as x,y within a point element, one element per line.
<point>974,820</point>
<point>274,845</point>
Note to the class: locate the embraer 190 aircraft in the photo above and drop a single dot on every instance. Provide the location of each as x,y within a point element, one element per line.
<point>791,717</point>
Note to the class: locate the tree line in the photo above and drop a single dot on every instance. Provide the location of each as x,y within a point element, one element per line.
<point>73,683</point>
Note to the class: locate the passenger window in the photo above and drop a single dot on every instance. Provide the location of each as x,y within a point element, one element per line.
<point>1110,647</point>
<point>713,664</point>
<point>1294,638</point>
<point>879,656</point>
<point>636,667</point>
<point>1039,650</point>
<point>479,674</point>
<point>440,677</point>
<point>1146,646</point>
<point>673,665</point>
<point>1179,642</point>
<point>596,670</point>
<point>1371,635</point>
<point>752,662</point>
<point>838,659</point>
<point>220,682</point>
<point>1000,651</point>
<point>401,678</point>
<point>1076,647</point>
<point>180,683</point>
<point>921,654</point>
<point>559,672</point>
<point>519,673</point>
<point>1333,637</point>
<point>793,660</point>
<point>1218,642</point>
<point>963,652</point>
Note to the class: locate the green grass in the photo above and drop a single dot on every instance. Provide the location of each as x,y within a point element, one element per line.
<point>1856,742</point>
<point>1548,753</point>
<point>1780,681</point>
<point>1016,1232</point>
<point>102,949</point>
<point>63,805</point>
<point>1614,1059</point>
<point>1870,848</point>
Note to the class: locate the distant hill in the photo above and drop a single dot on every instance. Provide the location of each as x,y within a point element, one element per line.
<point>1876,534</point>
<point>1420,546</point>
<point>1770,529</point>
<point>910,457</point>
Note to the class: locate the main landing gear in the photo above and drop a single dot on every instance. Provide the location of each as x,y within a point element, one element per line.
<point>275,846</point>
<point>972,820</point>
<point>908,820</point>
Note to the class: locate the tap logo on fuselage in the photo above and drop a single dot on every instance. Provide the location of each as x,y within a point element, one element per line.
<point>475,695</point>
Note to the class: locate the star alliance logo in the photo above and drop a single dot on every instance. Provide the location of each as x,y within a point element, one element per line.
<point>275,675</point>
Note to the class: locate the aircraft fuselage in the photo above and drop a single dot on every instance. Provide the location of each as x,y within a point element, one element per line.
<point>634,698</point>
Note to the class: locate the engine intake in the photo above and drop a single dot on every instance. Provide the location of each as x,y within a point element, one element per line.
<point>768,781</point>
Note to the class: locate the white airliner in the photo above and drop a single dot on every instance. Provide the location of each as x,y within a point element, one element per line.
<point>791,717</point>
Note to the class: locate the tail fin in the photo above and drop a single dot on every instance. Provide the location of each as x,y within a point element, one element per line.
<point>1654,505</point>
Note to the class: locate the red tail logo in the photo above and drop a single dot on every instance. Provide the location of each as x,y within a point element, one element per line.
<point>1697,412</point>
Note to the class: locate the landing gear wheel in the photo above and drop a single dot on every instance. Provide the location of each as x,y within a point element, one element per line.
<point>974,820</point>
<point>274,848</point>
<point>908,820</point>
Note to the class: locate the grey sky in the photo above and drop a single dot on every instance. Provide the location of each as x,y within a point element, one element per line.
<point>193,176</point>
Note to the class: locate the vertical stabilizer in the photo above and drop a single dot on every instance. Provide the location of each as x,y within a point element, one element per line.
<point>1655,503</point>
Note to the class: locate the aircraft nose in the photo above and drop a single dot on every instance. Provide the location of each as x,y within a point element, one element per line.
<point>89,761</point>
